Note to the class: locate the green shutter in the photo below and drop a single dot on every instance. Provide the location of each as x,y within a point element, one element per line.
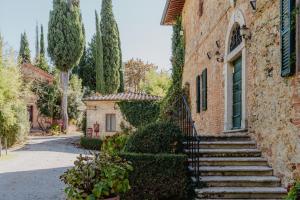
<point>288,38</point>
<point>198,91</point>
<point>204,90</point>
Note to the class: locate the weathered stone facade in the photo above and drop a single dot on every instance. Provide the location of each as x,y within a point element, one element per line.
<point>271,110</point>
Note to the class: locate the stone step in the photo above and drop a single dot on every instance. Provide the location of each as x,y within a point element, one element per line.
<point>224,152</point>
<point>240,181</point>
<point>241,193</point>
<point>226,137</point>
<point>235,199</point>
<point>234,170</point>
<point>230,161</point>
<point>222,144</point>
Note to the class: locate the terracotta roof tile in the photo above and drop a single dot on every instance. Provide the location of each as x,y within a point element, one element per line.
<point>173,9</point>
<point>127,96</point>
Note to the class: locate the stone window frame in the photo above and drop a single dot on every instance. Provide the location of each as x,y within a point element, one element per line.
<point>236,18</point>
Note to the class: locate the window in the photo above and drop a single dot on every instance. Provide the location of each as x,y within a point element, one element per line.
<point>198,91</point>
<point>204,89</point>
<point>288,38</point>
<point>110,122</point>
<point>236,38</point>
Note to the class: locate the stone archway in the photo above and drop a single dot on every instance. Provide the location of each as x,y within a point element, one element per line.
<point>231,55</point>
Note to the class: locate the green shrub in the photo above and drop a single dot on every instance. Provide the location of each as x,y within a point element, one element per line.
<point>98,176</point>
<point>139,113</point>
<point>90,143</point>
<point>157,176</point>
<point>114,144</point>
<point>158,137</point>
<point>294,193</point>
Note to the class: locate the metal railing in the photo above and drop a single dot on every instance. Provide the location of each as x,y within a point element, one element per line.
<point>192,140</point>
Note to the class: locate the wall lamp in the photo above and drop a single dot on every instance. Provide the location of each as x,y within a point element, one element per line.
<point>245,32</point>
<point>253,4</point>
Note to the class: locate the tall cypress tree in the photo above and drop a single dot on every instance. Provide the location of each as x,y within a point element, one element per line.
<point>24,53</point>
<point>65,43</point>
<point>100,87</point>
<point>121,67</point>
<point>111,55</point>
<point>37,45</point>
<point>42,57</point>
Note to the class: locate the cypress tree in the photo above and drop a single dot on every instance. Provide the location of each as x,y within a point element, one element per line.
<point>42,58</point>
<point>37,45</point>
<point>24,53</point>
<point>177,60</point>
<point>121,68</point>
<point>111,55</point>
<point>65,43</point>
<point>100,87</point>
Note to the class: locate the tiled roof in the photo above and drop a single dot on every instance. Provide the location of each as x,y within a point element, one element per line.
<point>38,71</point>
<point>126,96</point>
<point>172,10</point>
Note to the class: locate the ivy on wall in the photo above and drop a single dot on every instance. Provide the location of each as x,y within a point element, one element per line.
<point>139,113</point>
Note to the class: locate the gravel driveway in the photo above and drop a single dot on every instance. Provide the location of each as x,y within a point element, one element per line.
<point>32,172</point>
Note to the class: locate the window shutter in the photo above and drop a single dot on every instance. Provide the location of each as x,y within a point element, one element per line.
<point>288,38</point>
<point>198,92</point>
<point>204,90</point>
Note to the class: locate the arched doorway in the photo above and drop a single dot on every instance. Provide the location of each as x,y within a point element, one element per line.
<point>235,75</point>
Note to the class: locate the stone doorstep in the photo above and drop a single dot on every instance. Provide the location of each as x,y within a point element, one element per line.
<point>261,190</point>
<point>235,168</point>
<point>240,193</point>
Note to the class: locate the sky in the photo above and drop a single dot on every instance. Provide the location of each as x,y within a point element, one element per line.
<point>142,36</point>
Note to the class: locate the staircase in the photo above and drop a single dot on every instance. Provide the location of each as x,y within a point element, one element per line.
<point>231,167</point>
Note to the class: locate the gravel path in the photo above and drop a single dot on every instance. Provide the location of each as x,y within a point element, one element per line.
<point>32,172</point>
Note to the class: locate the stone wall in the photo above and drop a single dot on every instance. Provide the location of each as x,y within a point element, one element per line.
<point>271,103</point>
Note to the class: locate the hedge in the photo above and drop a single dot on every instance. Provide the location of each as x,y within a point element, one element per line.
<point>158,137</point>
<point>139,113</point>
<point>157,177</point>
<point>90,143</point>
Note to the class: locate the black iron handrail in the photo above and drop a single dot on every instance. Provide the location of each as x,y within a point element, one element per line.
<point>192,145</point>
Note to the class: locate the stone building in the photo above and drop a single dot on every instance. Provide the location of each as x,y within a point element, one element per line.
<point>242,72</point>
<point>103,116</point>
<point>31,73</point>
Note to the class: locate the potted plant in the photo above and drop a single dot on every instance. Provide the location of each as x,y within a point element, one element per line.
<point>98,176</point>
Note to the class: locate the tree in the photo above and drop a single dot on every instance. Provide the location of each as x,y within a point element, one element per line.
<point>98,55</point>
<point>86,68</point>
<point>42,62</point>
<point>156,83</point>
<point>135,72</point>
<point>121,69</point>
<point>65,43</point>
<point>24,53</point>
<point>37,45</point>
<point>177,60</point>
<point>111,54</point>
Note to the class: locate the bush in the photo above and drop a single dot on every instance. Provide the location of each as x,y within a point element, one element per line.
<point>97,177</point>
<point>158,137</point>
<point>294,193</point>
<point>139,113</point>
<point>90,143</point>
<point>114,144</point>
<point>157,176</point>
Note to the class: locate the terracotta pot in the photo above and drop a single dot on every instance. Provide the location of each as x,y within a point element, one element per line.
<point>113,198</point>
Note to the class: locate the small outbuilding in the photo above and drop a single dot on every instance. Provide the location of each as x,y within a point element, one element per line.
<point>104,117</point>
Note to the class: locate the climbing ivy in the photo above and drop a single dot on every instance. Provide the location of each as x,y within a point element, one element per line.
<point>139,113</point>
